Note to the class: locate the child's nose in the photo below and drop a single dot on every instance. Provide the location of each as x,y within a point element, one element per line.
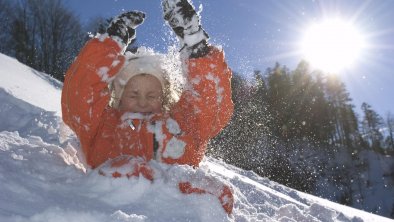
<point>142,102</point>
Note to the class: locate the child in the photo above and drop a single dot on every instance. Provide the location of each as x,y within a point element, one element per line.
<point>138,118</point>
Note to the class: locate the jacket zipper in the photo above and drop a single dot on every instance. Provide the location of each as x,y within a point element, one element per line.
<point>155,146</point>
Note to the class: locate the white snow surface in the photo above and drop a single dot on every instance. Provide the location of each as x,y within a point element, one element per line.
<point>27,84</point>
<point>43,176</point>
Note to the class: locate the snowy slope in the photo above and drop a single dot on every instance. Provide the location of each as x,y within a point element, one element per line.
<point>42,177</point>
<point>28,84</point>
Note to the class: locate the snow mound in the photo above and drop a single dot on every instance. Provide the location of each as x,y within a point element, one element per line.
<point>43,178</point>
<point>27,84</point>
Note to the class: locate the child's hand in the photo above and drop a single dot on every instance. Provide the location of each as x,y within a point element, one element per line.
<point>124,25</point>
<point>184,20</point>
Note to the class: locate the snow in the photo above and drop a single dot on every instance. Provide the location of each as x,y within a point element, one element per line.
<point>103,74</point>
<point>20,85</point>
<point>219,90</point>
<point>173,126</point>
<point>193,39</point>
<point>174,149</point>
<point>44,178</point>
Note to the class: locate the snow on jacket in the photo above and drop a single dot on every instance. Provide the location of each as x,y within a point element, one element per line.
<point>179,137</point>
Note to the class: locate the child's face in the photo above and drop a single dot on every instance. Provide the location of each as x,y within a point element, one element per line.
<point>142,94</point>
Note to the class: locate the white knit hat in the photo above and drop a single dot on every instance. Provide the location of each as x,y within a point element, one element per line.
<point>145,64</point>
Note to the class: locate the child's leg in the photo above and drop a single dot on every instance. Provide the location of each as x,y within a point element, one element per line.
<point>126,166</point>
<point>211,186</point>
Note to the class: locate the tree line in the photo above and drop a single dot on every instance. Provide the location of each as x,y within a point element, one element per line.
<point>43,34</point>
<point>279,112</point>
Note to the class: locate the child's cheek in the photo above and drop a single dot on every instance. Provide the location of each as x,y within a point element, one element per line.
<point>158,108</point>
<point>126,105</point>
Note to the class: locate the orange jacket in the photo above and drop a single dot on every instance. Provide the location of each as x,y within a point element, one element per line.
<point>177,138</point>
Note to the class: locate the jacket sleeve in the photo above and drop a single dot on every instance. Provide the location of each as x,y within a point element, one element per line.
<point>205,107</point>
<point>85,93</point>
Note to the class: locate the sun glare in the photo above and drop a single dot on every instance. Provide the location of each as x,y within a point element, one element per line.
<point>332,45</point>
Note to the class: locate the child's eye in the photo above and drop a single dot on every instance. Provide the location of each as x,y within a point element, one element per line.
<point>154,98</point>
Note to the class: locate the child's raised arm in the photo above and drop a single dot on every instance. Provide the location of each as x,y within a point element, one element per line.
<point>185,22</point>
<point>205,106</point>
<point>85,92</point>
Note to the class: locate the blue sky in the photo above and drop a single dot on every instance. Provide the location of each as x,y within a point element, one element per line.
<point>257,33</point>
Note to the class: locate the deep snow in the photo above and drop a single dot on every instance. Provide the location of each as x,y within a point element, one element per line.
<point>43,177</point>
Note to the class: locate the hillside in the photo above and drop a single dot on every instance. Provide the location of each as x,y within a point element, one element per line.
<point>43,177</point>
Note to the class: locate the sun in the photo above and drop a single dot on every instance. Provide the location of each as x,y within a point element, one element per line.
<point>332,45</point>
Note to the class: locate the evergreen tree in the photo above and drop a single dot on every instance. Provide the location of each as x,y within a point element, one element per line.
<point>279,86</point>
<point>371,125</point>
<point>390,129</point>
<point>299,109</point>
<point>350,127</point>
<point>321,122</point>
<point>309,107</point>
<point>5,26</point>
<point>341,113</point>
<point>258,98</point>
